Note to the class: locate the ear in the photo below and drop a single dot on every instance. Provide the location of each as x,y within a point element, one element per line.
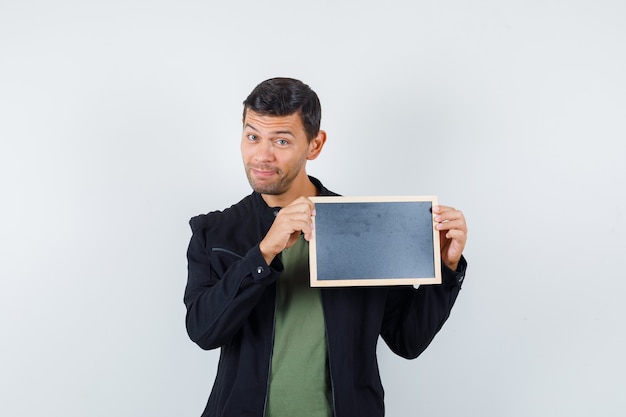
<point>316,145</point>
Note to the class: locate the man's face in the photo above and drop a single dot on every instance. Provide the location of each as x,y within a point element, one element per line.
<point>274,151</point>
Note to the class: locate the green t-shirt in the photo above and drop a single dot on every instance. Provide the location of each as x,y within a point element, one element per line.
<point>299,380</point>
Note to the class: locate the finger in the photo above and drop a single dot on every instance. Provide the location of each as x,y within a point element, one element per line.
<point>441,209</point>
<point>295,212</point>
<point>295,221</point>
<point>458,224</point>
<point>301,203</point>
<point>457,235</point>
<point>446,210</point>
<point>448,216</point>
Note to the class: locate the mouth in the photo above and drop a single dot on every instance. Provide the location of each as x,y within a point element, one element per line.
<point>263,173</point>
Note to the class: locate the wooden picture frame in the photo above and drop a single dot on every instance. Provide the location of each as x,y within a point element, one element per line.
<point>374,241</point>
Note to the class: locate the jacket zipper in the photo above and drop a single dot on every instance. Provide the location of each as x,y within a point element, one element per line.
<point>269,370</point>
<point>227,251</point>
<point>330,367</point>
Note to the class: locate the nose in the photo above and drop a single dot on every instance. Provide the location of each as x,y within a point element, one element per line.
<point>264,151</point>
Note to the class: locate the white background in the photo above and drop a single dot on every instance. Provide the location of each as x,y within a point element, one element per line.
<point>120,120</point>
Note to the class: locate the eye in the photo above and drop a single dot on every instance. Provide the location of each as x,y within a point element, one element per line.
<point>282,142</point>
<point>252,137</point>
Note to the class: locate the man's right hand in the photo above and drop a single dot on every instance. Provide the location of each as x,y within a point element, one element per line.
<point>290,222</point>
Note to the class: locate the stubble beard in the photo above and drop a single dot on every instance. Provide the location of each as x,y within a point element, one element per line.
<point>280,186</point>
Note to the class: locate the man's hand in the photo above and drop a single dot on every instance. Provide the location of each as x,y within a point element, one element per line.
<point>290,222</point>
<point>452,234</point>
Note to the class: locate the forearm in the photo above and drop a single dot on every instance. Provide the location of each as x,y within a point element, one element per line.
<point>219,302</point>
<point>415,316</point>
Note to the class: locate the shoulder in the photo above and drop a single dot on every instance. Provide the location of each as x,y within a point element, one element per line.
<point>322,189</point>
<point>232,215</point>
<point>234,229</point>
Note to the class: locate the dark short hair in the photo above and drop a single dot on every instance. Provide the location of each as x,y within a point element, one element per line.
<point>285,96</point>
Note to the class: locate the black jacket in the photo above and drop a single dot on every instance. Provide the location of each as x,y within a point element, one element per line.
<point>230,299</point>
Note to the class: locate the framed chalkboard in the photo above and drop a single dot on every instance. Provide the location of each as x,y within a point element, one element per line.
<point>374,241</point>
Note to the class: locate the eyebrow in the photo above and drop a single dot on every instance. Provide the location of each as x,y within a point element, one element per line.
<point>275,132</point>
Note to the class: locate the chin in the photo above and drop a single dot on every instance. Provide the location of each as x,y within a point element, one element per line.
<point>278,186</point>
<point>268,190</point>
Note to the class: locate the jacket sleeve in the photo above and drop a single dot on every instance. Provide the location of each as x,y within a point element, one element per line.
<point>414,316</point>
<point>222,289</point>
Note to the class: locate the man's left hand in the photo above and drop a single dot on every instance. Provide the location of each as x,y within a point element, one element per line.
<point>452,234</point>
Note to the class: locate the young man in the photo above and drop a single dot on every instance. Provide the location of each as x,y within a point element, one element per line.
<point>288,349</point>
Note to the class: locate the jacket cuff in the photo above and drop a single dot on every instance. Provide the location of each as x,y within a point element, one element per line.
<point>261,272</point>
<point>452,278</point>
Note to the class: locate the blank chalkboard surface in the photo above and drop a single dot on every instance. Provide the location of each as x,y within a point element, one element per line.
<point>360,241</point>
